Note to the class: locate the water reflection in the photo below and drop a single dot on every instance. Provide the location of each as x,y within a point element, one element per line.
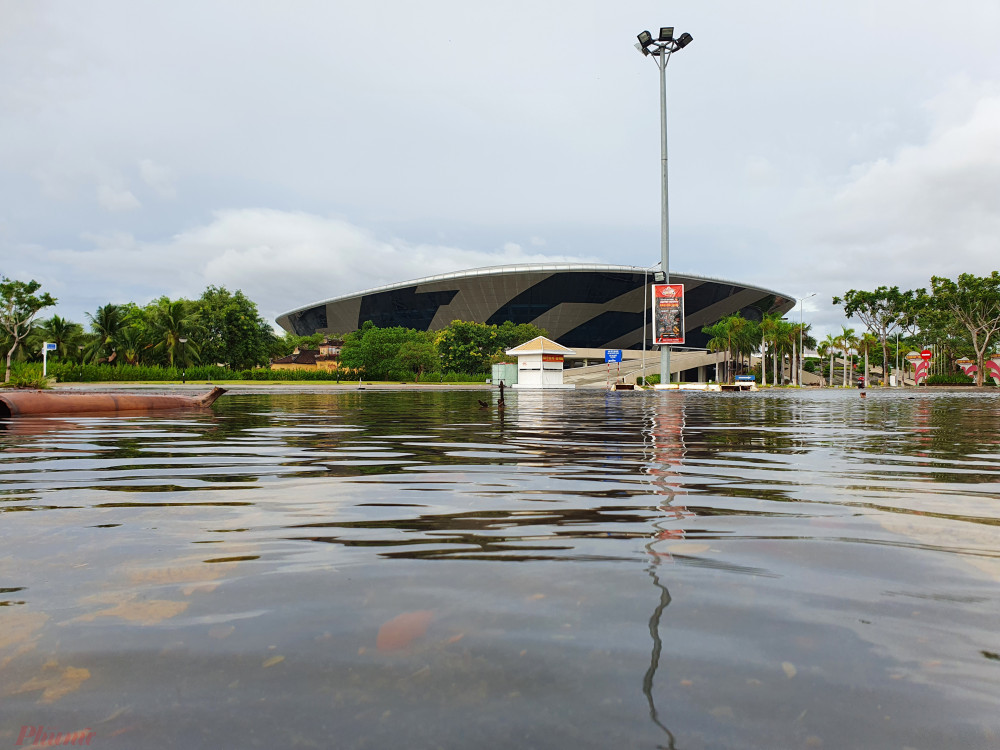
<point>596,568</point>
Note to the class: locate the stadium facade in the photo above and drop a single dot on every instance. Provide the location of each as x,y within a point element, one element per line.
<point>580,305</point>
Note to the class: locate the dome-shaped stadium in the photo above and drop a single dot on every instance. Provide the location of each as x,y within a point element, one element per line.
<point>580,305</point>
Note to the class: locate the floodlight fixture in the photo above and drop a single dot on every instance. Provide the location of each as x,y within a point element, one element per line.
<point>684,40</point>
<point>642,49</point>
<point>645,39</point>
<point>666,34</point>
<point>659,277</point>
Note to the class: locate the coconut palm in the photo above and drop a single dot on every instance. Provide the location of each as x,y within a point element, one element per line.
<point>783,339</point>
<point>868,343</point>
<point>170,322</point>
<point>718,341</point>
<point>800,333</point>
<point>830,346</point>
<point>105,324</point>
<point>131,343</point>
<point>768,330</point>
<point>846,342</point>
<point>65,334</point>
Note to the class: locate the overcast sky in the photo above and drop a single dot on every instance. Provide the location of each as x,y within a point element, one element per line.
<point>303,150</point>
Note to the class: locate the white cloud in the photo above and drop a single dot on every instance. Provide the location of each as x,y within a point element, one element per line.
<point>116,199</point>
<point>280,259</point>
<point>928,209</point>
<point>158,177</point>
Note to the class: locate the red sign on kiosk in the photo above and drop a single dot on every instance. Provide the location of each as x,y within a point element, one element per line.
<point>668,314</point>
<point>926,354</point>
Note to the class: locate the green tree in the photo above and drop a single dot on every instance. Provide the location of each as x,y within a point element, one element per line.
<point>65,334</point>
<point>829,346</point>
<point>800,336</point>
<point>131,343</point>
<point>176,329</point>
<point>974,301</point>
<point>510,335</point>
<point>736,336</point>
<point>768,331</point>
<point>419,356</point>
<point>882,312</point>
<point>19,304</point>
<point>783,342</point>
<point>868,343</point>
<point>105,324</point>
<point>376,351</point>
<point>846,342</point>
<point>466,346</point>
<point>234,332</point>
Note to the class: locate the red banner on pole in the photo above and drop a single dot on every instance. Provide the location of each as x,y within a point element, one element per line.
<point>668,314</point>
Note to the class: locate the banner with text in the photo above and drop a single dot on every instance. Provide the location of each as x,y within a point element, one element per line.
<point>668,314</point>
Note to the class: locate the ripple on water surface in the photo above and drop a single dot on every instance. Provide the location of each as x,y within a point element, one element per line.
<point>360,569</point>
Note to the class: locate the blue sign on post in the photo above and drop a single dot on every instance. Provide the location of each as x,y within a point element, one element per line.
<point>612,355</point>
<point>49,347</point>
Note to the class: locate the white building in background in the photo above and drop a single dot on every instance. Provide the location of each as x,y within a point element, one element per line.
<point>540,364</point>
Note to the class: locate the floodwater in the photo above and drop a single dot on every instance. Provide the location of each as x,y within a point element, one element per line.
<point>365,569</point>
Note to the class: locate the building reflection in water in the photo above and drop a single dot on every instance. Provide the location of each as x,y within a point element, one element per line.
<point>664,444</point>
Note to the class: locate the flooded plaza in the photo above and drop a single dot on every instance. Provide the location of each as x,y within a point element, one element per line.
<point>375,569</point>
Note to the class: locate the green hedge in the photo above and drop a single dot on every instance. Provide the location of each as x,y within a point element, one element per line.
<point>954,378</point>
<point>65,372</point>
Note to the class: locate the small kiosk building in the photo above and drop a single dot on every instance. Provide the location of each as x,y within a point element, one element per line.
<point>540,363</point>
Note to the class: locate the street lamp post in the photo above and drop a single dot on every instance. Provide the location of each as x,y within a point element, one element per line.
<point>645,314</point>
<point>660,49</point>
<point>183,341</point>
<point>802,358</point>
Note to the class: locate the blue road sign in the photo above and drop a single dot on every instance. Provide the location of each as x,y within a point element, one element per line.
<point>612,355</point>
<point>50,347</point>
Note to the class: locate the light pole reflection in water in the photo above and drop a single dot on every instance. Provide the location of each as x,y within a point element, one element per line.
<point>664,443</point>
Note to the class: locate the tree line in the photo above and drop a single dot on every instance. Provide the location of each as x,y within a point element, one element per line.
<point>961,316</point>
<point>220,327</point>
<point>223,328</point>
<point>462,347</point>
<point>776,340</point>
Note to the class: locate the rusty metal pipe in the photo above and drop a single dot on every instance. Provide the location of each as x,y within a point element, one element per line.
<point>35,403</point>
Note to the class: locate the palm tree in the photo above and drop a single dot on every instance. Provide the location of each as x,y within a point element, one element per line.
<point>171,322</point>
<point>105,324</point>
<point>846,342</point>
<point>868,343</point>
<point>783,339</point>
<point>65,334</point>
<point>768,331</point>
<point>801,334</point>
<point>746,334</point>
<point>131,343</point>
<point>830,345</point>
<point>718,341</point>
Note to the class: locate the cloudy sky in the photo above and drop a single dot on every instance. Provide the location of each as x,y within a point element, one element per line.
<point>302,150</point>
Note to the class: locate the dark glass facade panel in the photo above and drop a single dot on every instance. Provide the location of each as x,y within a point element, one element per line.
<point>596,287</point>
<point>696,338</point>
<point>707,294</point>
<point>607,326</point>
<point>307,322</point>
<point>403,307</point>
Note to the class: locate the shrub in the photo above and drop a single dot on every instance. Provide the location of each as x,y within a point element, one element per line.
<point>28,375</point>
<point>952,378</point>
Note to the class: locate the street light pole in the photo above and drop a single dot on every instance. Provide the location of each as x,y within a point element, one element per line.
<point>661,48</point>
<point>801,355</point>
